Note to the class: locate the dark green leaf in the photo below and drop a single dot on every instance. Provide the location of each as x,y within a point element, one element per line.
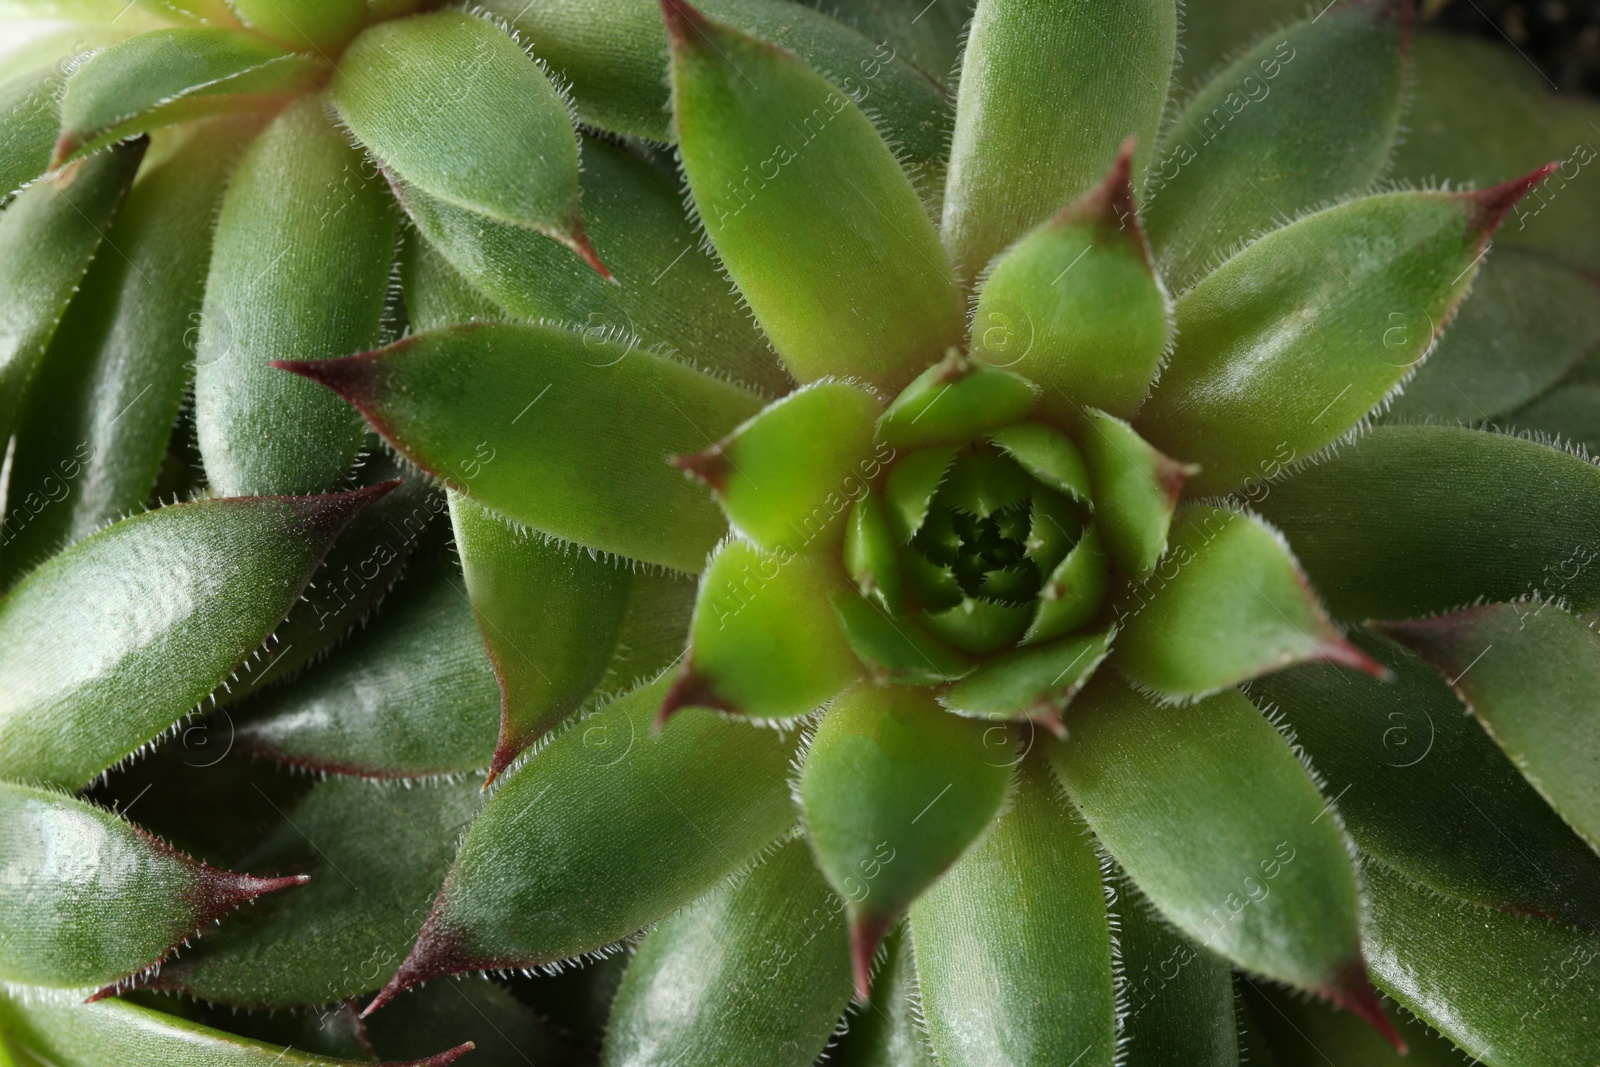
<point>30,115</point>
<point>1306,1032</point>
<point>885,1033</point>
<point>505,1032</point>
<point>1569,412</point>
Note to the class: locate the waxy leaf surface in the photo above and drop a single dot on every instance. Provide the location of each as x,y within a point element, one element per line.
<point>30,111</point>
<point>308,25</point>
<point>1135,492</point>
<point>120,636</point>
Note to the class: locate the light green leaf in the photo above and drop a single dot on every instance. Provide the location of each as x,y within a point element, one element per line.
<point>1036,682</point>
<point>505,414</point>
<point>690,805</point>
<point>410,696</point>
<point>670,291</point>
<point>754,972</point>
<point>308,25</point>
<point>899,651</point>
<point>30,115</point>
<point>548,660</point>
<point>1213,817</point>
<point>1048,92</point>
<point>1510,990</point>
<point>1290,343</point>
<point>1424,789</point>
<point>882,758</point>
<point>1135,492</point>
<point>954,402</point>
<point>174,75</point>
<point>860,289</point>
<point>120,636</point>
<point>786,477</point>
<point>1414,519</point>
<point>1078,307</point>
<point>1233,164</point>
<point>436,293</point>
<point>49,233</point>
<point>299,270</point>
<point>610,52</point>
<point>104,398</point>
<point>1013,945</point>
<point>765,641</point>
<point>1228,604</point>
<point>377,854</point>
<point>1074,592</point>
<point>1049,455</point>
<point>426,92</point>
<point>1530,672</point>
<point>113,1031</point>
<point>89,899</point>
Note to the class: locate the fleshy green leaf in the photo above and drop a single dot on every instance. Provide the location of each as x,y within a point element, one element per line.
<point>299,270</point>
<point>928,38</point>
<point>1422,788</point>
<point>1048,92</point>
<point>1049,455</point>
<point>121,635</point>
<point>1530,672</point>
<point>765,641</point>
<point>549,660</point>
<point>506,415</point>
<point>1233,164</point>
<point>1135,492</point>
<point>1036,682</point>
<point>1570,412</point>
<point>1013,946</point>
<point>871,555</point>
<point>689,806</point>
<point>1414,519</point>
<point>1177,1003</point>
<point>30,115</point>
<point>410,696</point>
<point>49,233</point>
<point>504,1031</point>
<point>377,853</point>
<point>1285,344</point>
<point>89,899</point>
<point>1228,604</point>
<point>1213,817</point>
<point>953,402</point>
<point>1305,1031</point>
<point>882,759</point>
<point>861,288</point>
<point>671,291</point>
<point>174,75</point>
<point>1529,321</point>
<point>1081,309</point>
<point>105,396</point>
<point>884,1033</point>
<point>438,294</point>
<point>303,24</point>
<point>1510,990</point>
<point>900,651</point>
<point>425,93</point>
<point>113,1031</point>
<point>755,972</point>
<point>610,52</point>
<point>1074,592</point>
<point>786,477</point>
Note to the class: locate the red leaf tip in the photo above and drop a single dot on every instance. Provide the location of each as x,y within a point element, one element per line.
<point>683,21</point>
<point>1342,652</point>
<point>710,466</point>
<point>1353,991</point>
<point>218,892</point>
<point>1488,208</point>
<point>1112,204</point>
<point>866,934</point>
<point>351,377</point>
<point>439,951</point>
<point>577,239</point>
<point>691,690</point>
<point>442,1059</point>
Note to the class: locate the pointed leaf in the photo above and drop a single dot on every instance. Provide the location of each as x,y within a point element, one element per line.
<point>1013,946</point>
<point>871,556</point>
<point>410,696</point>
<point>881,760</point>
<point>1230,603</point>
<point>48,235</point>
<point>1213,817</point>
<point>1530,672</point>
<point>910,488</point>
<point>690,805</point>
<point>861,288</point>
<point>1079,292</point>
<point>1048,92</point>
<point>954,402</point>
<point>103,401</point>
<point>1049,455</point>
<point>30,116</point>
<point>437,294</point>
<point>1074,593</point>
<point>1424,789</point>
<point>549,660</point>
<point>174,75</point>
<point>757,971</point>
<point>504,1031</point>
<point>981,626</point>
<point>89,899</point>
<point>1414,519</point>
<point>1233,164</point>
<point>1289,343</point>
<point>113,1031</point>
<point>765,641</point>
<point>1135,492</point>
<point>121,635</point>
<point>786,477</point>
<point>377,854</point>
<point>885,1033</point>
<point>1300,1031</point>
<point>672,291</point>
<point>896,650</point>
<point>303,24</point>
<point>1036,682</point>
<point>610,52</point>
<point>426,92</point>
<point>515,431</point>
<point>1510,990</point>
<point>299,270</point>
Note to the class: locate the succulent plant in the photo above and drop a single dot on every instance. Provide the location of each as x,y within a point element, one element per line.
<point>951,538</point>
